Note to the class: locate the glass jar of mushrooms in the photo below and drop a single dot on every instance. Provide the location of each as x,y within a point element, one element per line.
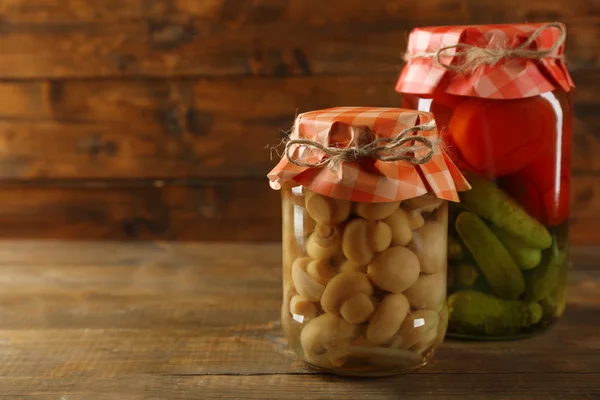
<point>364,283</point>
<point>365,196</point>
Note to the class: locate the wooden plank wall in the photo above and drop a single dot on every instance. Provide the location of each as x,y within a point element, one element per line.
<point>148,119</point>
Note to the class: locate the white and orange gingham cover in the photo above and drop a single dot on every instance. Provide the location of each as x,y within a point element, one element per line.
<point>508,79</point>
<point>367,180</point>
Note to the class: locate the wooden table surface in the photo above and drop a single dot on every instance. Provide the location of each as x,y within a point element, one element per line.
<point>201,321</point>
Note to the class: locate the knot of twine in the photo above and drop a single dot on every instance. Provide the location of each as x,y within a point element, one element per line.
<point>475,56</point>
<point>384,149</point>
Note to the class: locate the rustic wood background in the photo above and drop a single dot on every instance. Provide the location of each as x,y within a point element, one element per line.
<point>201,321</point>
<point>114,115</point>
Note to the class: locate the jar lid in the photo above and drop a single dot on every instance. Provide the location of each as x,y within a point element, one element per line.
<point>368,154</point>
<point>492,61</point>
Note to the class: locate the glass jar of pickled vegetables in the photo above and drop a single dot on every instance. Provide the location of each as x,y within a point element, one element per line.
<point>364,239</point>
<point>501,97</point>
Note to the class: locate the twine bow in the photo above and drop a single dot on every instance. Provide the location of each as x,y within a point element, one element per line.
<point>384,149</point>
<point>475,56</point>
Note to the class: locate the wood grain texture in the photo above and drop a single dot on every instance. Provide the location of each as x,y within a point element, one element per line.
<point>156,128</point>
<point>585,209</point>
<point>35,11</point>
<point>103,93</point>
<point>201,321</point>
<point>193,127</point>
<point>227,37</point>
<point>222,210</point>
<point>276,387</point>
<point>140,210</point>
<point>586,124</point>
<point>129,129</point>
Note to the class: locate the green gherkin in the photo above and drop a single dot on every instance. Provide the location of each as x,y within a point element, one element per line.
<point>455,249</point>
<point>480,313</point>
<point>544,279</point>
<point>495,263</point>
<point>526,257</point>
<point>465,274</point>
<point>488,201</point>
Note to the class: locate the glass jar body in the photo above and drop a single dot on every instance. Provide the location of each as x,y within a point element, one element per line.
<point>508,264</point>
<point>364,284</point>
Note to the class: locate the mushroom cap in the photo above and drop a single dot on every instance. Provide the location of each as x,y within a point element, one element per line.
<point>304,284</point>
<point>325,340</point>
<point>357,308</point>
<point>378,235</point>
<point>400,224</point>
<point>341,287</point>
<point>395,269</point>
<point>428,292</point>
<point>417,330</point>
<point>321,270</point>
<point>430,245</point>
<point>375,211</point>
<point>416,220</point>
<point>354,242</point>
<point>387,318</point>
<point>351,266</point>
<point>324,243</point>
<point>326,209</point>
<point>300,305</point>
<point>426,203</point>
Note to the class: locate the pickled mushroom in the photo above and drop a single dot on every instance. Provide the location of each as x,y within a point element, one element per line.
<point>304,284</point>
<point>395,269</point>
<point>363,238</point>
<point>342,287</point>
<point>429,291</point>
<point>321,270</point>
<point>326,210</point>
<point>351,266</point>
<point>324,243</point>
<point>326,340</point>
<point>300,305</point>
<point>357,309</point>
<point>400,224</point>
<point>424,203</point>
<point>375,211</point>
<point>419,329</point>
<point>430,245</point>
<point>388,318</point>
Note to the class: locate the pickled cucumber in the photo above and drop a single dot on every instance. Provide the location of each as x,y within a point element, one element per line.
<point>526,257</point>
<point>488,201</point>
<point>455,249</point>
<point>495,263</point>
<point>465,274</point>
<point>474,312</point>
<point>544,279</point>
<point>554,305</point>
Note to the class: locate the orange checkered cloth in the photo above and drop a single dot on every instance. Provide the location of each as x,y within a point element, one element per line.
<point>366,180</point>
<point>508,79</point>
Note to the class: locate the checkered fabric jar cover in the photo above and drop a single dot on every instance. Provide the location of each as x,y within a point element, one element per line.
<point>366,180</point>
<point>510,78</point>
